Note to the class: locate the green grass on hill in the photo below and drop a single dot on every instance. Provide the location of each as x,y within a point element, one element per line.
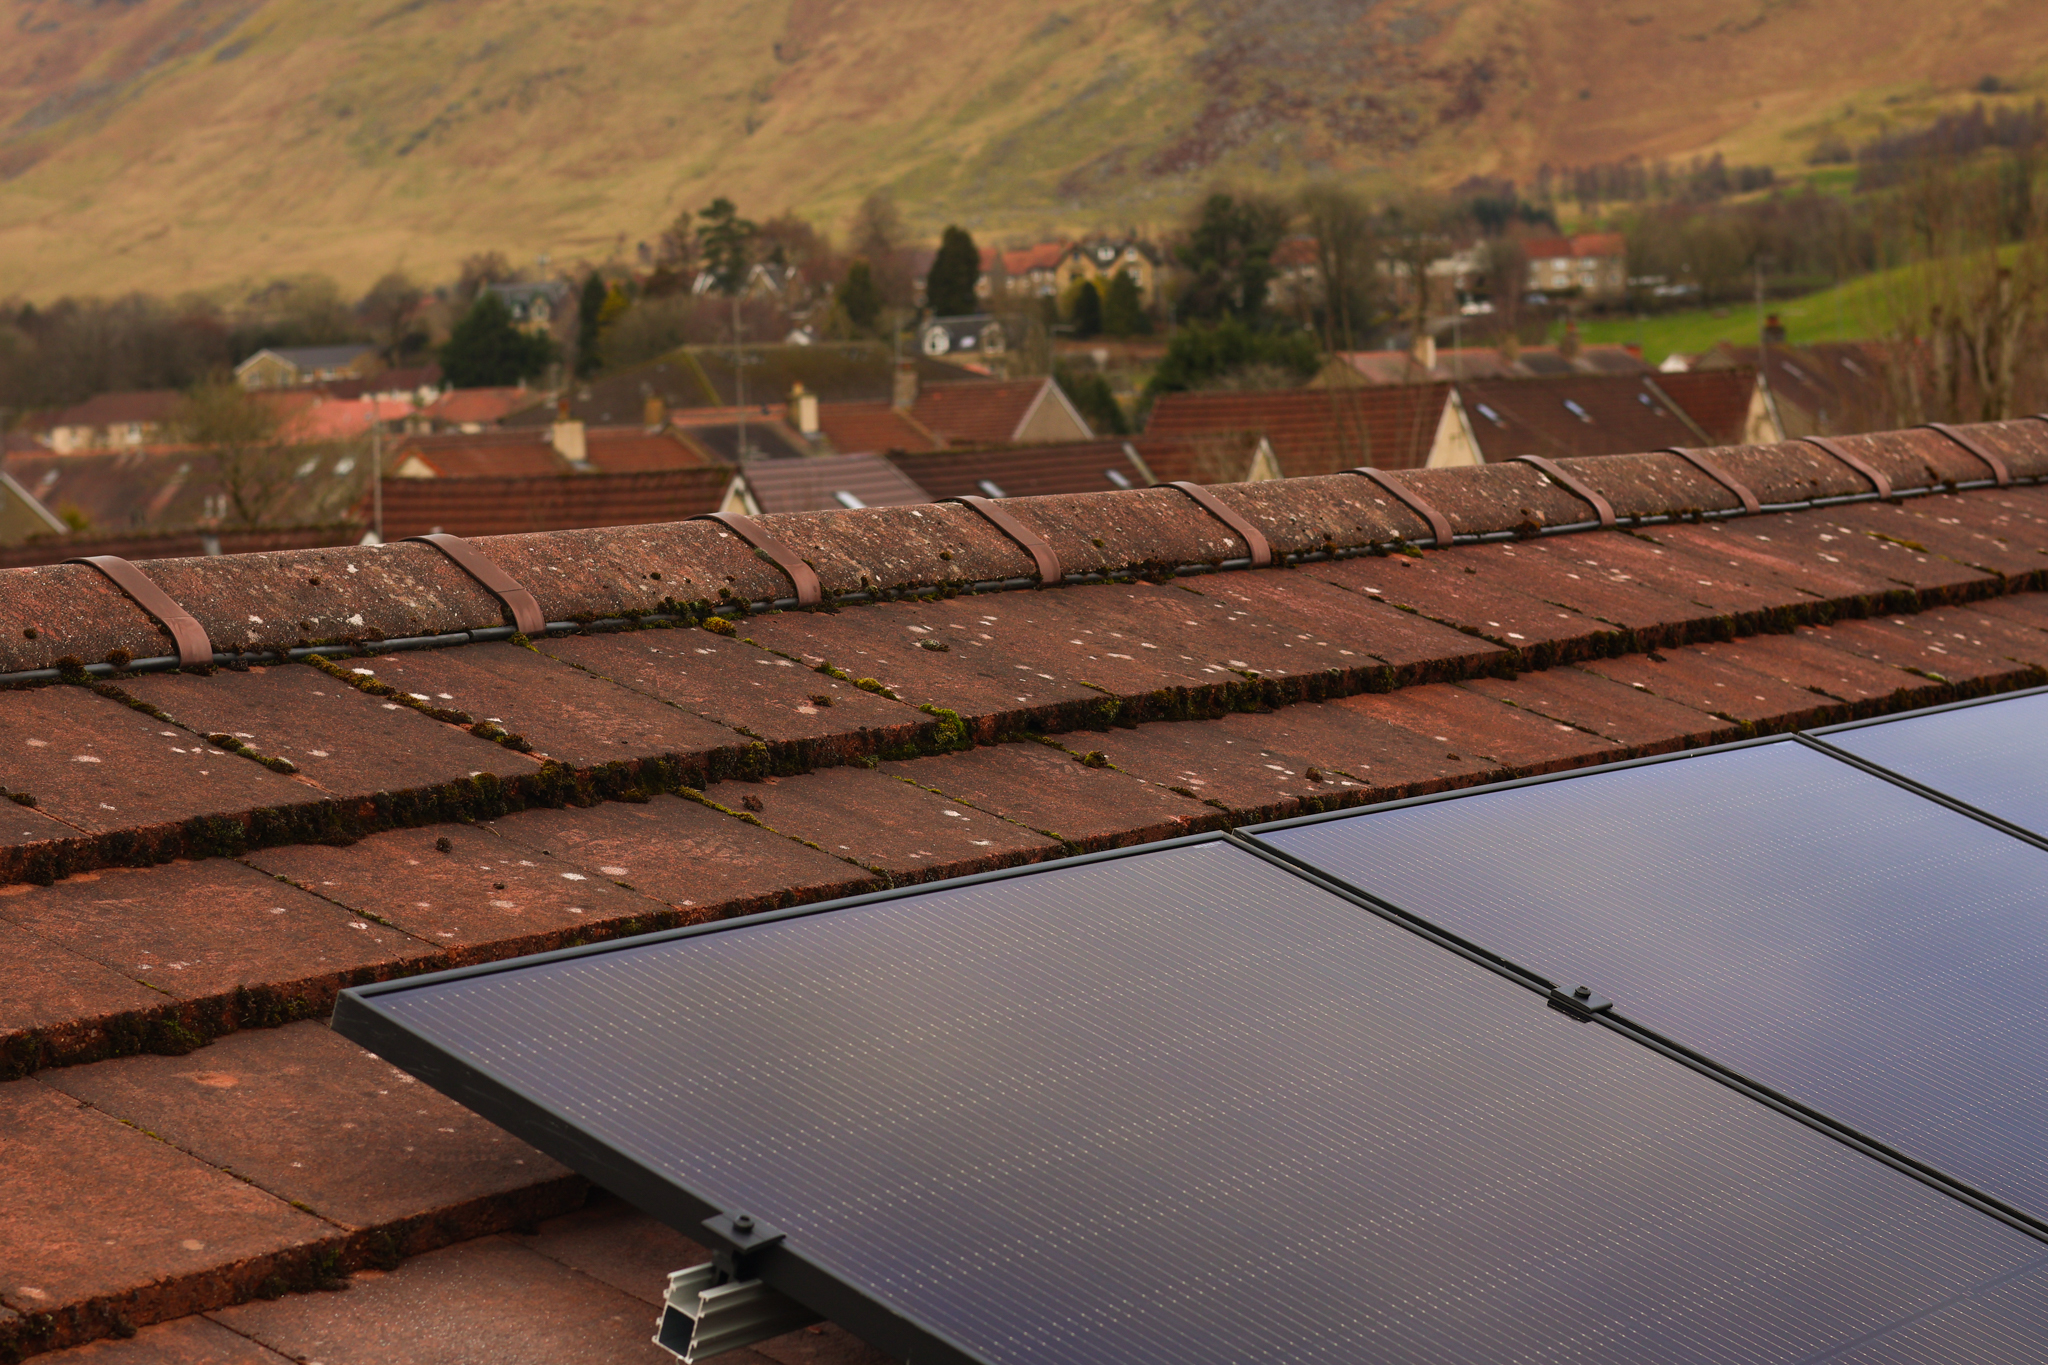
<point>1849,311</point>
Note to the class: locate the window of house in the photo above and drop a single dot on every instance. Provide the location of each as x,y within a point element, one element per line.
<point>1575,410</point>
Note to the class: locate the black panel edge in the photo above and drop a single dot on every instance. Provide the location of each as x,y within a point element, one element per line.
<point>1925,792</point>
<point>399,984</point>
<point>1616,1019</point>
<point>546,1128</point>
<point>1962,705</point>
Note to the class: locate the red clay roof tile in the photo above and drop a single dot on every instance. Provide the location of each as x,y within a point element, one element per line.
<point>1315,431</point>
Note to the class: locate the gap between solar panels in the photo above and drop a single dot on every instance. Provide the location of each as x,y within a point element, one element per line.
<point>1644,877</point>
<point>725,1075</point>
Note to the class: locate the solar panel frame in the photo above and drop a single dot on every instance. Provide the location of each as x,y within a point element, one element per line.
<point>1614,1016</point>
<point>788,1270</point>
<point>1818,736</point>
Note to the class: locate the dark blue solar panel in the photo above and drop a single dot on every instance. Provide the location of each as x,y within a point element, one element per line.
<point>1872,953</point>
<point>1186,1107</point>
<point>1993,756</point>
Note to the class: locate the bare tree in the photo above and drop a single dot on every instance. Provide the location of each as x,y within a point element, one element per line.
<point>1347,261</point>
<point>245,438</point>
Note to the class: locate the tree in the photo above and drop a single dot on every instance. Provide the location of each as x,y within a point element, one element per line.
<point>1347,260</point>
<point>1229,254</point>
<point>1123,307</point>
<point>949,288</point>
<point>859,297</point>
<point>1086,310</point>
<point>389,310</point>
<point>479,269</point>
<point>1090,393</point>
<point>243,435</point>
<point>1230,354</point>
<point>589,308</point>
<point>487,350</point>
<point>726,242</point>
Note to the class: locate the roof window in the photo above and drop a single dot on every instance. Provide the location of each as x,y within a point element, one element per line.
<point>1490,415</point>
<point>991,488</point>
<point>1575,410</point>
<point>1116,476</point>
<point>846,499</point>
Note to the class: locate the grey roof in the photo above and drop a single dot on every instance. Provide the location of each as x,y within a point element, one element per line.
<point>314,357</point>
<point>827,482</point>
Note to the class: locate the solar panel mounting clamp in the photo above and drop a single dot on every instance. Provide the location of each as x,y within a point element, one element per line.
<point>738,1241</point>
<point>1579,1002</point>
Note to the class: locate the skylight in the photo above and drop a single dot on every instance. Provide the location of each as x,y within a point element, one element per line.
<point>991,488</point>
<point>1575,410</point>
<point>846,499</point>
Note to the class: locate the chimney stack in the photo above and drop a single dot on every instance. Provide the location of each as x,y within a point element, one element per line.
<point>567,439</point>
<point>803,406</point>
<point>903,397</point>
<point>1424,352</point>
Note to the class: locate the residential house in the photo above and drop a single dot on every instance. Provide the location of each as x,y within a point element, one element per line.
<point>822,483</point>
<point>1563,415</point>
<point>1102,258</point>
<point>1323,431</point>
<point>497,505</point>
<point>567,447</point>
<point>1827,389</point>
<point>964,340</point>
<point>1098,466</point>
<point>285,367</point>
<point>1591,265</point>
<point>111,421</point>
<point>536,306</point>
<point>1030,272</point>
<point>1297,284</point>
<point>975,412</point>
<point>472,410</point>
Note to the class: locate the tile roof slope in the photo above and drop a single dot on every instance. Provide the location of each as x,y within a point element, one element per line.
<point>872,429</point>
<point>1716,400</point>
<point>1841,382</point>
<point>107,409</point>
<point>1486,362</point>
<point>421,807</point>
<point>979,412</point>
<point>1025,471</point>
<point>486,506</point>
<point>1573,415</point>
<point>636,450</point>
<point>702,377</point>
<point>484,406</point>
<point>1315,431</point>
<point>512,453</point>
<point>160,489</point>
<point>815,484</point>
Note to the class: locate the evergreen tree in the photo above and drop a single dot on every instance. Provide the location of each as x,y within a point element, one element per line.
<point>949,289</point>
<point>1090,393</point>
<point>860,298</point>
<point>1229,255</point>
<point>726,242</point>
<point>487,350</point>
<point>589,307</point>
<point>1123,308</point>
<point>1087,310</point>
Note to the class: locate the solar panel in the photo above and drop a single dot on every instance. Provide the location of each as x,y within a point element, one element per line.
<point>1183,1105</point>
<point>1991,755</point>
<point>1872,953</point>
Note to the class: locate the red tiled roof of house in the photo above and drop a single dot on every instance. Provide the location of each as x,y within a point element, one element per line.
<point>1582,414</point>
<point>192,1154</point>
<point>485,406</point>
<point>980,412</point>
<point>111,409</point>
<point>1716,400</point>
<point>508,453</point>
<point>635,450</point>
<point>1599,244</point>
<point>1840,384</point>
<point>1315,431</point>
<point>824,483</point>
<point>552,502</point>
<point>1025,471</point>
<point>872,428</point>
<point>1043,256</point>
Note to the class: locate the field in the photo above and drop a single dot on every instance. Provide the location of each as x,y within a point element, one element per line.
<point>1850,311</point>
<point>218,144</point>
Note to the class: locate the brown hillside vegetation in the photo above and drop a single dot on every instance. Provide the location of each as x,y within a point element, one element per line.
<point>166,144</point>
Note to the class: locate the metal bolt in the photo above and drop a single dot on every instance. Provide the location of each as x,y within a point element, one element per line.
<point>1583,992</point>
<point>743,1224</point>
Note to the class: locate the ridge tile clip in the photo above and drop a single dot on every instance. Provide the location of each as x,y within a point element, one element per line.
<point>1254,539</point>
<point>1050,574</point>
<point>491,576</point>
<point>194,649</point>
<point>1710,467</point>
<point>1579,1002</point>
<point>2000,475</point>
<point>802,577</point>
<point>1831,446</point>
<point>1572,484</point>
<point>1439,524</point>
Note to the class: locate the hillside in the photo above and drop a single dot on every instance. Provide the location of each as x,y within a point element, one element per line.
<point>165,144</point>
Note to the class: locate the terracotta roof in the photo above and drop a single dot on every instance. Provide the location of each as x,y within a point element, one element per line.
<point>162,489</point>
<point>504,453</point>
<point>1315,431</point>
<point>109,409</point>
<point>825,482</point>
<point>1584,244</point>
<point>980,412</point>
<point>1044,256</point>
<point>483,406</point>
<point>635,450</point>
<point>702,377</point>
<point>718,433</point>
<point>1716,400</point>
<point>1485,362</point>
<point>872,428</point>
<point>558,502</point>
<point>191,1153</point>
<point>1025,471</point>
<point>1574,415</point>
<point>1834,386</point>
